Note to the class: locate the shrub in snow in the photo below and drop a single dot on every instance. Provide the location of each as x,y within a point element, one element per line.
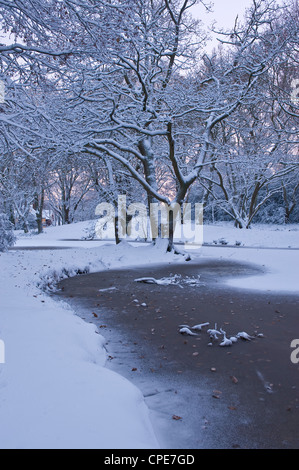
<point>222,241</point>
<point>90,231</point>
<point>7,237</point>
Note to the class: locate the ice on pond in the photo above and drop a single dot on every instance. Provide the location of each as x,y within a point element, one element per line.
<point>176,280</point>
<point>107,289</point>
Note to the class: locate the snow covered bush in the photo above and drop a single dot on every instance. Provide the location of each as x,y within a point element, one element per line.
<point>7,237</point>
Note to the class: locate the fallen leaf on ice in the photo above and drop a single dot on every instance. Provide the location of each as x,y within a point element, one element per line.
<point>176,417</point>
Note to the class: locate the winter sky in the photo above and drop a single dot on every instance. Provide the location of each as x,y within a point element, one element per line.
<point>224,13</point>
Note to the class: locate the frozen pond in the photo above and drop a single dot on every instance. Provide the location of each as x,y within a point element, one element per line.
<point>200,396</point>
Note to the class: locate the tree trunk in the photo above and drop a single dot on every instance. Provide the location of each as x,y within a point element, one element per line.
<point>253,201</point>
<point>65,213</point>
<point>12,218</point>
<point>25,226</point>
<point>145,149</point>
<point>38,206</point>
<point>171,232</point>
<point>116,229</point>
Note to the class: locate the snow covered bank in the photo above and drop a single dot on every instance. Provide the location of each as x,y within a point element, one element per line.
<point>259,235</point>
<point>55,391</point>
<point>281,270</point>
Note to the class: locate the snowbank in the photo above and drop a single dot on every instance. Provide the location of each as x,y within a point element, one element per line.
<point>55,391</point>
<point>259,235</point>
<point>281,270</point>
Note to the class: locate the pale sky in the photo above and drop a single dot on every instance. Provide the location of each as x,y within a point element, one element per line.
<point>224,12</point>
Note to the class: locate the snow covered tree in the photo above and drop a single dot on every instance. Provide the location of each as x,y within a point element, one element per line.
<point>27,144</point>
<point>135,85</point>
<point>256,149</point>
<point>7,238</point>
<point>69,182</point>
<point>255,145</point>
<point>290,192</point>
<point>143,108</point>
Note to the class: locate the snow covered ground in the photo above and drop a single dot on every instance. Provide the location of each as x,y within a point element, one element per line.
<point>272,236</point>
<point>55,391</point>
